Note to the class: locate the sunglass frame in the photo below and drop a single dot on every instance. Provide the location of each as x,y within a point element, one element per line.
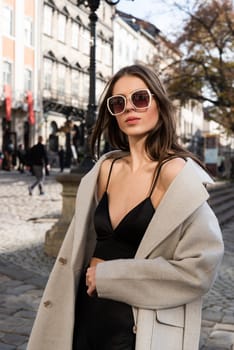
<point>130,99</point>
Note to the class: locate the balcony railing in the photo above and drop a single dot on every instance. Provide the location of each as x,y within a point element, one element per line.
<point>62,98</point>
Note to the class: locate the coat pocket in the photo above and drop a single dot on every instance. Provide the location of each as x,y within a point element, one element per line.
<point>172,317</point>
<point>160,329</point>
<point>168,330</point>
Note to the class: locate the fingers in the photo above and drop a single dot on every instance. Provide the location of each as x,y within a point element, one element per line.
<point>90,281</point>
<point>91,292</point>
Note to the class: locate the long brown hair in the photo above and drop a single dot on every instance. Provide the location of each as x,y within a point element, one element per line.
<point>161,141</point>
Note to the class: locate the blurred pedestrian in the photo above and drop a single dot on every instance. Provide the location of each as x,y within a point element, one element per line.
<point>1,159</point>
<point>232,168</point>
<point>39,163</point>
<point>61,155</point>
<point>8,155</point>
<point>21,158</point>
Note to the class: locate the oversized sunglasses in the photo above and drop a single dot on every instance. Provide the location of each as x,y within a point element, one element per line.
<point>140,99</point>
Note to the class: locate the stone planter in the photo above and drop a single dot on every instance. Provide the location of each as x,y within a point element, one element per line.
<point>54,237</point>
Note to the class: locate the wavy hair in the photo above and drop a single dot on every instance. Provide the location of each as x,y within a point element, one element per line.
<point>161,142</point>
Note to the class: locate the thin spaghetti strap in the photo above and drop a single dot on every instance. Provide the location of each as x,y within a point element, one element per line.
<point>155,178</point>
<point>157,172</point>
<point>109,175</point>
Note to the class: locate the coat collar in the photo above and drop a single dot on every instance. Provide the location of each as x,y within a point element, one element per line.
<point>185,194</point>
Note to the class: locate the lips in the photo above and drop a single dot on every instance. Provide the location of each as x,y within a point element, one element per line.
<point>132,119</point>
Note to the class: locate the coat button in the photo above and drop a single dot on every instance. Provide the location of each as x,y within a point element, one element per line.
<point>62,261</point>
<point>134,329</point>
<point>47,303</point>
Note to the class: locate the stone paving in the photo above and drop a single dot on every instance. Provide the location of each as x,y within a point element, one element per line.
<point>218,310</point>
<point>24,268</point>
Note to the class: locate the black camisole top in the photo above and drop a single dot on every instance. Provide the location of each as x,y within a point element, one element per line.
<point>123,241</point>
<point>105,323</point>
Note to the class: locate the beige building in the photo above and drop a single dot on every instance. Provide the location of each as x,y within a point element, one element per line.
<point>65,74</point>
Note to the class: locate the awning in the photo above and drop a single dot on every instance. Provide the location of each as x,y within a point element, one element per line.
<point>8,100</point>
<point>31,116</point>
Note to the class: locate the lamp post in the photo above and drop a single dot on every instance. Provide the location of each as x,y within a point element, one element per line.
<point>87,162</point>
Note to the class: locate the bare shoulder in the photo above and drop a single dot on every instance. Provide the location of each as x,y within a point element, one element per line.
<point>170,170</point>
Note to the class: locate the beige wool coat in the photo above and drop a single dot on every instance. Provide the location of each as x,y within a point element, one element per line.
<point>175,265</point>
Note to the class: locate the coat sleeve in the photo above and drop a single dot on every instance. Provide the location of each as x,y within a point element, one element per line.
<point>157,282</point>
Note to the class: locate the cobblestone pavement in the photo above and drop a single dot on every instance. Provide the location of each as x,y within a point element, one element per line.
<point>24,268</point>
<point>218,310</point>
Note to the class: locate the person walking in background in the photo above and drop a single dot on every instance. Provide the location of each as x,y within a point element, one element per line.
<point>21,155</point>
<point>143,246</point>
<point>8,154</point>
<point>39,163</point>
<point>61,154</point>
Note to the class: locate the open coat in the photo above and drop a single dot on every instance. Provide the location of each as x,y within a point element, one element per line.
<point>176,263</point>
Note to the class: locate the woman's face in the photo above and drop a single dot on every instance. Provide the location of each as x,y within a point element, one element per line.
<point>133,121</point>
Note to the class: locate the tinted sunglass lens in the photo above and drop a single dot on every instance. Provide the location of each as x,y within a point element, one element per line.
<point>117,104</point>
<point>140,99</point>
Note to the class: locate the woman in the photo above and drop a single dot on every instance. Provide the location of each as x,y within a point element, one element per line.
<point>144,245</point>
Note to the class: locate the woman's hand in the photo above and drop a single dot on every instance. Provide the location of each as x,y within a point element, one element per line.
<point>91,276</point>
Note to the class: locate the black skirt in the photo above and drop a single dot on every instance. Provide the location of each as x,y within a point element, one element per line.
<point>102,324</point>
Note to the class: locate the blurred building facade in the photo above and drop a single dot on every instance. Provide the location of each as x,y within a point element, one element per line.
<point>65,70</point>
<point>144,43</point>
<point>19,66</point>
<point>44,69</point>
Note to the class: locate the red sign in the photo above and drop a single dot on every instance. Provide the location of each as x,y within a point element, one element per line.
<point>31,117</point>
<point>7,93</point>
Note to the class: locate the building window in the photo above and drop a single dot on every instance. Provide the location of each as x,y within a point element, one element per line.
<point>85,86</point>
<point>75,83</point>
<point>7,21</point>
<point>7,73</point>
<point>28,31</point>
<point>48,67</point>
<point>75,34</point>
<point>27,80</point>
<point>85,44</point>
<point>48,19</point>
<point>99,88</point>
<point>61,27</point>
<point>99,49</point>
<point>61,79</point>
<point>108,55</point>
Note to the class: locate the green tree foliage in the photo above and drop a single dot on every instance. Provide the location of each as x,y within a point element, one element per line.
<point>206,72</point>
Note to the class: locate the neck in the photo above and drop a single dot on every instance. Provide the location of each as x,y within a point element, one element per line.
<point>138,156</point>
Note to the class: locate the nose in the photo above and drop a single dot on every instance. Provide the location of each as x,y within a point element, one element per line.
<point>129,105</point>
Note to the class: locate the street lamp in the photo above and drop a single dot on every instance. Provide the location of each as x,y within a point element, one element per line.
<point>93,5</point>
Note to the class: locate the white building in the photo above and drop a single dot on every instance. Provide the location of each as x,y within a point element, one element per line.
<point>126,44</point>
<point>138,41</point>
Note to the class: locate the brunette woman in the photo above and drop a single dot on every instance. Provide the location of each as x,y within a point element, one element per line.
<point>144,246</point>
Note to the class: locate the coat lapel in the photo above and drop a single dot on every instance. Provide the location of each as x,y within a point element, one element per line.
<point>183,197</point>
<point>84,201</point>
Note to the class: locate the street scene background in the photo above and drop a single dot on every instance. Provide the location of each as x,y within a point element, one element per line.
<point>51,53</point>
